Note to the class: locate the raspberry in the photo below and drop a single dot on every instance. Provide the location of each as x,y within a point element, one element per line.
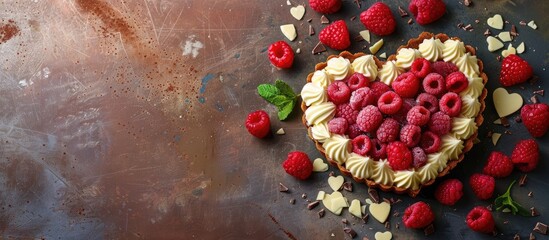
<point>456,82</point>
<point>420,158</point>
<point>338,126</point>
<point>444,68</point>
<point>430,142</point>
<point>434,84</point>
<point>421,67</point>
<point>378,88</point>
<point>379,149</point>
<point>450,104</point>
<point>353,131</point>
<point>357,80</point>
<point>482,185</point>
<point>410,135</point>
<point>389,103</point>
<point>418,215</point>
<point>525,156</point>
<point>346,111</point>
<point>480,220</point>
<point>298,165</point>
<point>378,19</point>
<point>427,11</point>
<point>449,191</point>
<point>281,54</point>
<point>428,101</point>
<point>440,123</point>
<point>399,156</point>
<point>418,116</point>
<point>362,97</point>
<point>258,123</point>
<point>325,6</point>
<point>339,92</point>
<point>362,145</point>
<point>388,130</point>
<point>407,104</point>
<point>369,119</point>
<point>514,70</point>
<point>498,165</point>
<point>406,85</point>
<point>536,118</point>
<point>335,35</point>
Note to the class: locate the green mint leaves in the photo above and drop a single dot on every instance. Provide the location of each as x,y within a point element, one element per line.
<point>505,201</point>
<point>281,95</point>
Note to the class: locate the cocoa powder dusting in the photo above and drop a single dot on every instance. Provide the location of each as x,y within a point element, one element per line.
<point>8,30</point>
<point>112,20</point>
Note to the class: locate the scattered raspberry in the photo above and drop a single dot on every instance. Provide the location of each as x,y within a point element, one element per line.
<point>418,116</point>
<point>399,156</point>
<point>410,135</point>
<point>428,101</point>
<point>357,80</point>
<point>456,82</point>
<point>298,165</point>
<point>335,35</point>
<point>418,215</point>
<point>420,158</point>
<point>525,156</point>
<point>421,67</point>
<point>427,11</point>
<point>379,149</point>
<point>482,185</point>
<point>440,123</point>
<point>339,92</point>
<point>406,85</point>
<point>378,19</point>
<point>498,165</point>
<point>362,97</point>
<point>449,191</point>
<point>338,126</point>
<point>536,118</point>
<point>258,123</point>
<point>480,219</point>
<point>444,68</point>
<point>378,88</point>
<point>430,142</point>
<point>353,131</point>
<point>281,54</point>
<point>450,104</point>
<point>388,130</point>
<point>346,111</point>
<point>369,119</point>
<point>362,145</point>
<point>514,70</point>
<point>325,6</point>
<point>434,84</point>
<point>389,103</point>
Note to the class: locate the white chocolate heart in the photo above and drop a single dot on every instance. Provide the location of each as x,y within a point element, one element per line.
<point>298,12</point>
<point>380,211</point>
<point>506,103</point>
<point>510,50</point>
<point>383,235</point>
<point>319,165</point>
<point>496,22</point>
<point>320,196</point>
<point>493,43</point>
<point>355,208</point>
<point>289,31</point>
<point>336,182</point>
<point>335,202</point>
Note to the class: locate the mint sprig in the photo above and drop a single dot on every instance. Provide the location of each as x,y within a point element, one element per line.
<point>281,95</point>
<point>505,201</point>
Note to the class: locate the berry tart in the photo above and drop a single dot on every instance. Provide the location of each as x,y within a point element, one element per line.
<point>397,125</point>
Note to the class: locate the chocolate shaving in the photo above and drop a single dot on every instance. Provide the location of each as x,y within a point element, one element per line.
<point>514,32</point>
<point>468,27</point>
<point>410,21</point>
<point>508,132</point>
<point>460,25</point>
<point>353,18</point>
<point>505,122</point>
<point>429,230</point>
<point>397,226</point>
<point>530,194</point>
<point>523,23</point>
<point>534,99</point>
<point>402,12</point>
<point>309,20</point>
<point>319,48</point>
<point>350,232</point>
<point>506,222</point>
<point>344,221</point>
<point>312,205</point>
<point>359,38</point>
<point>534,212</point>
<point>311,30</point>
<point>331,174</point>
<point>489,134</point>
<point>357,2</point>
<point>292,201</point>
<point>365,218</point>
<point>477,21</point>
<point>518,119</point>
<point>324,20</point>
<point>395,213</point>
<point>282,188</point>
<point>487,33</point>
<point>304,195</point>
<point>540,92</point>
<point>516,237</point>
<point>321,213</point>
<point>374,195</point>
<point>388,225</point>
<point>489,207</point>
<point>523,180</point>
<point>467,3</point>
<point>348,186</point>
<point>498,58</point>
<point>532,236</point>
<point>541,228</point>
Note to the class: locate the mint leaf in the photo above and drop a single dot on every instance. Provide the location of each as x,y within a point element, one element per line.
<point>284,111</point>
<point>506,201</point>
<point>284,88</point>
<point>267,91</point>
<point>281,95</point>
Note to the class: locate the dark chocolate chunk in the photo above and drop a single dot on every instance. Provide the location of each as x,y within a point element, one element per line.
<point>489,207</point>
<point>350,232</point>
<point>304,195</point>
<point>516,237</point>
<point>532,236</point>
<point>477,21</point>
<point>541,228</point>
<point>505,122</point>
<point>487,33</point>
<point>292,201</point>
<point>331,174</point>
<point>311,30</point>
<point>402,12</point>
<point>460,25</point>
<point>540,92</point>
<point>523,180</point>
<point>373,195</point>
<point>395,213</point>
<point>429,230</point>
<point>397,226</point>
<point>348,186</point>
<point>530,194</point>
<point>534,99</point>
<point>282,188</point>
<point>514,32</point>
<point>353,18</point>
<point>506,222</point>
<point>508,132</point>
<point>344,221</point>
<point>489,134</point>
<point>365,218</point>
<point>388,225</point>
<point>523,23</point>
<point>468,27</point>
<point>467,3</point>
<point>357,2</point>
<point>319,48</point>
<point>534,212</point>
<point>324,20</point>
<point>518,119</point>
<point>410,21</point>
<point>321,213</point>
<point>309,20</point>
<point>312,205</point>
<point>359,38</point>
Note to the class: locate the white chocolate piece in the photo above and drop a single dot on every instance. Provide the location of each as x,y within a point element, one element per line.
<point>383,55</point>
<point>298,12</point>
<point>363,209</point>
<point>374,48</point>
<point>368,201</point>
<point>335,202</point>
<point>383,235</point>
<point>380,211</point>
<point>280,131</point>
<point>289,31</point>
<point>498,121</point>
<point>505,36</point>
<point>495,138</point>
<point>354,209</point>
<point>520,48</point>
<point>319,165</point>
<point>320,196</point>
<point>506,103</point>
<point>336,182</point>
<point>493,43</point>
<point>366,35</point>
<point>533,25</point>
<point>496,22</point>
<point>510,50</point>
<point>288,3</point>
<point>298,51</point>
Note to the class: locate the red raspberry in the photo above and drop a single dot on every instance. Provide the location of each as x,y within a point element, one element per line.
<point>498,165</point>
<point>346,111</point>
<point>482,185</point>
<point>399,156</point>
<point>369,119</point>
<point>434,84</point>
<point>325,6</point>
<point>428,101</point>
<point>514,70</point>
<point>379,149</point>
<point>353,131</point>
<point>335,35</point>
<point>378,19</point>
<point>378,88</point>
<point>427,11</point>
<point>407,104</point>
<point>421,67</point>
<point>480,219</point>
<point>362,145</point>
<point>388,130</point>
<point>456,82</point>
<point>258,123</point>
<point>444,68</point>
<point>362,97</point>
<point>339,92</point>
<point>418,215</point>
<point>420,158</point>
<point>298,165</point>
<point>406,85</point>
<point>281,54</point>
<point>440,123</point>
<point>418,116</point>
<point>410,135</point>
<point>358,80</point>
<point>449,191</point>
<point>525,156</point>
<point>450,104</point>
<point>536,118</point>
<point>389,103</point>
<point>430,142</point>
<point>338,126</point>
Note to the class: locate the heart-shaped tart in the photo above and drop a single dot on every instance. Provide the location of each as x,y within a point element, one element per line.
<point>400,124</point>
